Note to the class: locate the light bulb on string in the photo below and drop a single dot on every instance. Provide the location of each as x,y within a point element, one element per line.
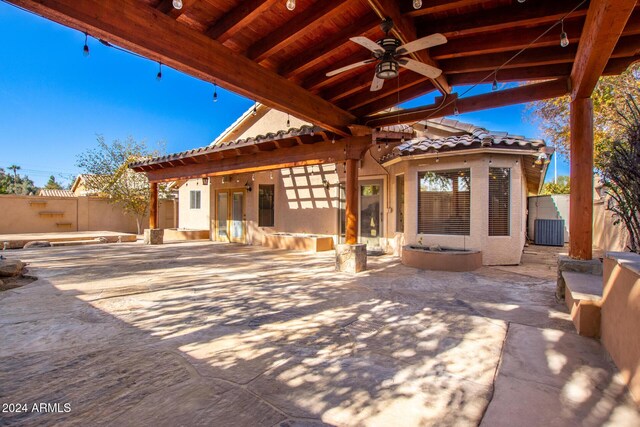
<point>456,112</point>
<point>288,121</point>
<point>494,86</point>
<point>159,75</point>
<point>215,92</point>
<point>177,4</point>
<point>386,144</point>
<point>255,109</point>
<point>291,4</point>
<point>379,147</point>
<point>85,49</point>
<point>417,4</point>
<point>564,38</point>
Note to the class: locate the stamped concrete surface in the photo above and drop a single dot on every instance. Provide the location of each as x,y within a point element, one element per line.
<point>218,334</point>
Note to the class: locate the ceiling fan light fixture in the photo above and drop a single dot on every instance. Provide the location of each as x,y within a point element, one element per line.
<point>387,70</point>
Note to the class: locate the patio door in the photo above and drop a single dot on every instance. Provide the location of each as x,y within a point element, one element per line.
<point>370,226</point>
<point>230,216</point>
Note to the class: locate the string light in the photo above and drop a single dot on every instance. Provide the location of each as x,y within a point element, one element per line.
<point>255,109</point>
<point>270,174</point>
<point>85,49</point>
<point>494,86</point>
<point>215,92</point>
<point>177,4</point>
<point>379,147</point>
<point>564,39</point>
<point>253,177</point>
<point>456,112</point>
<point>291,4</point>
<point>288,122</point>
<point>437,157</point>
<point>386,144</point>
<point>159,75</point>
<point>417,4</point>
<point>333,139</point>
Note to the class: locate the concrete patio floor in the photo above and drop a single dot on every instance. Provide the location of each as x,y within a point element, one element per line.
<point>215,334</point>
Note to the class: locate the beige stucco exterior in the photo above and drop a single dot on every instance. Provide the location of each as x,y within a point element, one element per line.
<point>35,214</point>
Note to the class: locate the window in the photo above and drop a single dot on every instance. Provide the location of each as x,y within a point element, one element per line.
<point>194,199</point>
<point>444,199</point>
<point>265,206</point>
<point>499,201</point>
<point>400,203</point>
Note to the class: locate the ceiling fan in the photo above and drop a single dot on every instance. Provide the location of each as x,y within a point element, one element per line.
<point>390,54</point>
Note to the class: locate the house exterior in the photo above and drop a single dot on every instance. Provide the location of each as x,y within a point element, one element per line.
<point>453,185</point>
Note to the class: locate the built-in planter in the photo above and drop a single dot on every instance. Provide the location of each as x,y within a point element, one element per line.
<point>184,234</point>
<point>442,259</point>
<point>300,242</point>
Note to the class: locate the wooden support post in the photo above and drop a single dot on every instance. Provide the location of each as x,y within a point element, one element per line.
<point>351,207</point>
<point>153,205</point>
<point>581,198</point>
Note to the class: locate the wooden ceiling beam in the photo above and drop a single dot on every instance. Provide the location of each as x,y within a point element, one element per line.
<point>237,18</point>
<point>544,72</point>
<point>305,22</point>
<point>351,86</point>
<point>328,46</point>
<point>391,100</point>
<point>148,32</point>
<point>319,79</point>
<point>503,18</point>
<point>485,101</point>
<point>391,87</point>
<point>405,30</point>
<point>507,40</point>
<point>299,155</point>
<point>437,6</point>
<point>628,46</point>
<point>605,23</point>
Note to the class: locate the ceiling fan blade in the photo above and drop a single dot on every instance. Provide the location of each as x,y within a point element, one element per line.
<point>376,84</point>
<point>420,68</point>
<point>369,44</point>
<point>348,67</point>
<point>422,43</point>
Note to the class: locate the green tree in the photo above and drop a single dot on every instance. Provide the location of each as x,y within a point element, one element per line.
<point>52,184</point>
<point>15,169</point>
<point>621,173</point>
<point>561,187</point>
<point>108,173</point>
<point>609,98</point>
<point>5,182</point>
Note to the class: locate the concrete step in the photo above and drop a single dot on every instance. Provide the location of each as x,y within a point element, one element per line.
<point>583,297</point>
<point>76,242</point>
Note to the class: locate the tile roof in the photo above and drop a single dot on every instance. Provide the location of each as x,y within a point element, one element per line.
<point>270,136</point>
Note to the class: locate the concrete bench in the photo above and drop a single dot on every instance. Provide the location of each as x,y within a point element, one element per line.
<point>583,296</point>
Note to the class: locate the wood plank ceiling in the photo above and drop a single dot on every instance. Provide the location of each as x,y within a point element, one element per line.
<point>279,57</point>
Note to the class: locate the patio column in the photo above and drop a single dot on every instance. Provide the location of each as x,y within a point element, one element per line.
<point>351,207</point>
<point>581,197</point>
<point>153,205</point>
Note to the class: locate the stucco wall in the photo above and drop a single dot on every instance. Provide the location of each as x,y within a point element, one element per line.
<point>554,206</point>
<point>194,219</point>
<point>35,214</point>
<point>496,250</point>
<point>621,316</point>
<point>303,205</point>
<point>272,121</point>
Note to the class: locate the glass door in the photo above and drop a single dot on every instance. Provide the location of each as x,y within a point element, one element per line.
<point>371,214</point>
<point>230,216</point>
<point>222,215</point>
<point>237,216</point>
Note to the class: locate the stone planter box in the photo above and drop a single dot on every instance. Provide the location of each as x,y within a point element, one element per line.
<point>298,242</point>
<point>444,260</point>
<point>179,234</point>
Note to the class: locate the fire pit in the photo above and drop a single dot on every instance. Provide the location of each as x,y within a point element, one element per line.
<point>442,259</point>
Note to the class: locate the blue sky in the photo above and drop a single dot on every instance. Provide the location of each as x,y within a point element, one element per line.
<point>54,101</point>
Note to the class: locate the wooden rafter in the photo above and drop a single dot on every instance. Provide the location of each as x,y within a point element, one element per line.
<point>503,18</point>
<point>305,22</point>
<point>144,30</point>
<point>391,100</point>
<point>437,6</point>
<point>605,23</point>
<point>298,155</point>
<point>405,30</point>
<point>328,46</point>
<point>391,87</point>
<point>544,72</point>
<point>237,18</point>
<point>518,95</point>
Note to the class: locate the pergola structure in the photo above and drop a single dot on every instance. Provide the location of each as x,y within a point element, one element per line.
<point>280,57</point>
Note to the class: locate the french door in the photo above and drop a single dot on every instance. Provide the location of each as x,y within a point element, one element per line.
<point>230,216</point>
